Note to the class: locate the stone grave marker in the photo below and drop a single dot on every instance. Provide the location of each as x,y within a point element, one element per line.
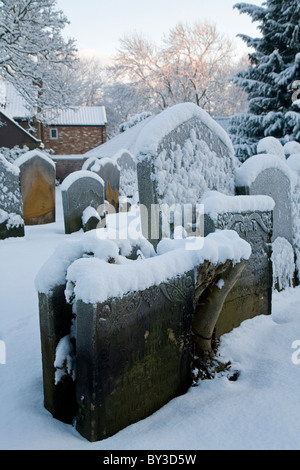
<point>80,190</point>
<point>181,153</point>
<point>128,176</point>
<point>109,171</point>
<point>269,175</point>
<point>252,218</point>
<point>37,179</point>
<point>11,207</point>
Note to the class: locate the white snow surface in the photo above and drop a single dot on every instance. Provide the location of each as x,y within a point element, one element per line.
<point>259,411</point>
<point>11,168</point>
<point>246,174</point>
<point>271,145</point>
<point>76,175</point>
<point>217,203</point>
<point>165,122</point>
<point>32,153</point>
<point>290,148</point>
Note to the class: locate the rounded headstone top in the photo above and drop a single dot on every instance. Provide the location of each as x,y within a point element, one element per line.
<point>271,145</point>
<point>77,176</point>
<point>32,154</point>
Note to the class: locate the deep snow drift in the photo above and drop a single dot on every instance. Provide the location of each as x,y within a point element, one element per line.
<point>261,410</point>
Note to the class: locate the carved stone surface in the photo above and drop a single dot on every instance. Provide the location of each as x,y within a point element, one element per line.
<point>55,323</point>
<point>252,293</point>
<point>188,161</point>
<point>273,182</point>
<point>128,175</point>
<point>37,178</point>
<point>133,356</point>
<point>83,192</point>
<point>11,208</point>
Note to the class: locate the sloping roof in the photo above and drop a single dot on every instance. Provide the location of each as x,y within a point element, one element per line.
<point>12,103</point>
<point>18,125</point>
<point>125,141</point>
<point>78,116</point>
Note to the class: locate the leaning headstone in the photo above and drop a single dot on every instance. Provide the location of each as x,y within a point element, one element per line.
<point>90,219</point>
<point>252,218</point>
<point>80,190</point>
<point>181,154</point>
<point>109,171</point>
<point>37,179</point>
<point>128,176</point>
<point>11,208</point>
<point>268,175</point>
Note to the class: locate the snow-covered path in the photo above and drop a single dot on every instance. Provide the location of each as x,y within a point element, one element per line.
<point>261,410</point>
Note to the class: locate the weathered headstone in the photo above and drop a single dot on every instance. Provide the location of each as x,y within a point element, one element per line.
<point>109,171</point>
<point>251,217</point>
<point>133,336</point>
<point>37,179</point>
<point>181,153</point>
<point>269,175</point>
<point>11,208</point>
<point>80,190</point>
<point>128,176</point>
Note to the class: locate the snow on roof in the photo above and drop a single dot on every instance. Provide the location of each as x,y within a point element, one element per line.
<point>78,116</point>
<point>125,141</point>
<point>12,103</point>
<point>7,116</point>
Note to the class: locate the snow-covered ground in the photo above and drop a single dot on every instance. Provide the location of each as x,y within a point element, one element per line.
<point>261,410</point>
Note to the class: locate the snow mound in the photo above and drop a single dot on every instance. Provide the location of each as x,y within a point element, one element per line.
<point>290,148</point>
<point>271,145</point>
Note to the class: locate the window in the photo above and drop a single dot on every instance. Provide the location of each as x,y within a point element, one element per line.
<point>53,134</point>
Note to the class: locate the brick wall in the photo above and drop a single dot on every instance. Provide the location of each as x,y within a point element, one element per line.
<point>66,165</point>
<point>74,140</point>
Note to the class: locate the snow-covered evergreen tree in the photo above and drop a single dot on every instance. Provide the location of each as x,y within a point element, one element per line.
<point>272,78</point>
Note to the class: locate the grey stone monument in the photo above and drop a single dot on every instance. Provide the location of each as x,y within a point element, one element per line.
<point>181,153</point>
<point>80,190</point>
<point>252,218</point>
<point>109,171</point>
<point>37,179</point>
<point>11,207</point>
<point>268,175</point>
<point>128,176</point>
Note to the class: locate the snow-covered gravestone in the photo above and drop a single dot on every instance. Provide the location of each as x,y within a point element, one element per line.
<point>81,190</point>
<point>109,171</point>
<point>269,175</point>
<point>11,209</point>
<point>251,218</point>
<point>37,179</point>
<point>291,148</point>
<point>181,154</point>
<point>128,176</point>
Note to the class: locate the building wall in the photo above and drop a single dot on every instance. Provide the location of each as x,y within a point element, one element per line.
<point>74,140</point>
<point>66,165</point>
<point>11,135</point>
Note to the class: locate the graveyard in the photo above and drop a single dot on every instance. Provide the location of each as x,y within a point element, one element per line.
<point>152,296</point>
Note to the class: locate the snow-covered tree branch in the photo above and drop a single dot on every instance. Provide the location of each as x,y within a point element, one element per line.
<point>33,53</point>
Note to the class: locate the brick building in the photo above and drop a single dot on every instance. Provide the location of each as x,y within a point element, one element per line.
<point>75,131</point>
<point>72,131</point>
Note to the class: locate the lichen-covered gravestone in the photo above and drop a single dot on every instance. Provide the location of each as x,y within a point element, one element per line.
<point>109,171</point>
<point>37,179</point>
<point>181,153</point>
<point>80,190</point>
<point>269,175</point>
<point>11,209</point>
<point>251,218</point>
<point>128,176</point>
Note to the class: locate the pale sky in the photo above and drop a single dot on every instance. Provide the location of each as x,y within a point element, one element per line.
<point>97,25</point>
